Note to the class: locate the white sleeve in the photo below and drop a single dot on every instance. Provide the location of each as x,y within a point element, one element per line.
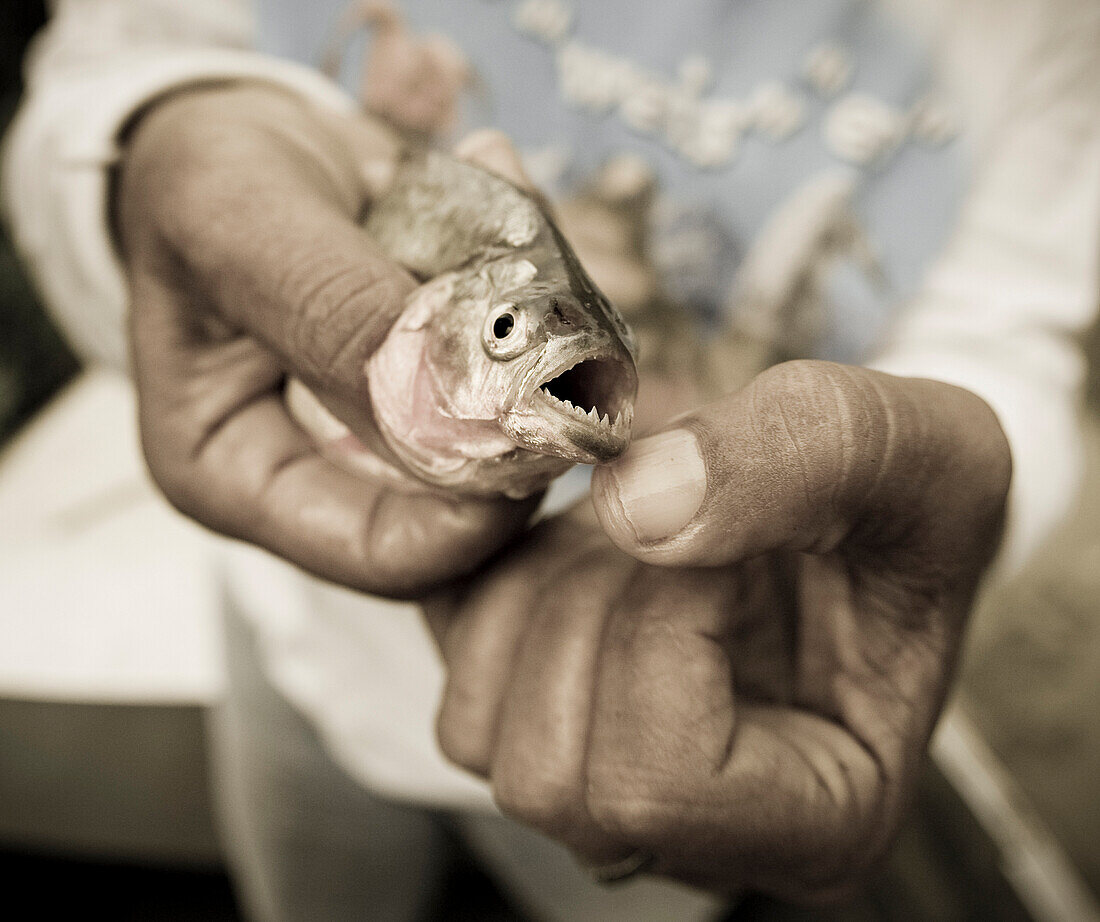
<point>96,64</point>
<point>1001,309</point>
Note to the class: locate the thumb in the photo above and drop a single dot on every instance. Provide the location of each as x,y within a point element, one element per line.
<point>809,455</point>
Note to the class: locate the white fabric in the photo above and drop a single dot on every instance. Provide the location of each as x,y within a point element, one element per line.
<point>106,592</point>
<point>997,315</point>
<point>999,310</point>
<point>95,66</point>
<point>375,698</point>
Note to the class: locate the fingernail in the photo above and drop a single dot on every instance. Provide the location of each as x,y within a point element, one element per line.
<point>661,482</point>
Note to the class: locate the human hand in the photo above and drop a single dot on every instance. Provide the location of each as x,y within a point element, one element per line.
<point>236,213</point>
<point>745,689</point>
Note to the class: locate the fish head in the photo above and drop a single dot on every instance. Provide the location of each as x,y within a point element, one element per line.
<point>502,374</point>
<point>573,395</point>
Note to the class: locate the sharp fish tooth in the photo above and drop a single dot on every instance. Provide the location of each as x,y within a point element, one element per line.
<point>605,422</point>
<point>618,419</point>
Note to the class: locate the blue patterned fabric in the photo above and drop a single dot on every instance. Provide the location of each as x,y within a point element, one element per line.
<point>905,200</point>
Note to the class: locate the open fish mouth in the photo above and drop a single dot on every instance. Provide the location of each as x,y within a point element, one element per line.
<point>591,392</point>
<point>582,410</point>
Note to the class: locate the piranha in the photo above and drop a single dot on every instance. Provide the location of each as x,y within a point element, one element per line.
<point>507,365</point>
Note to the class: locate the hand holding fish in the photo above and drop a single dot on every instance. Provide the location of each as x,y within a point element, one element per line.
<point>508,365</point>
<point>237,213</point>
<point>740,693</point>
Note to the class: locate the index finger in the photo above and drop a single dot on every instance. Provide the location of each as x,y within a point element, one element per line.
<point>221,445</point>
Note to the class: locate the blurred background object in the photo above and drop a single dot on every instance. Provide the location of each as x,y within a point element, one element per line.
<point>34,361</point>
<point>101,805</point>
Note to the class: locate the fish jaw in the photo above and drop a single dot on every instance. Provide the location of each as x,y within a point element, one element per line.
<point>577,403</point>
<point>459,447</point>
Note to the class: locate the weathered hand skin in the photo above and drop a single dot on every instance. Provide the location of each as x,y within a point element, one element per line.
<point>508,364</point>
<point>237,210</point>
<point>730,661</point>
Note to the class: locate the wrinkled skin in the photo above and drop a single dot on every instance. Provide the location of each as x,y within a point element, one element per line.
<point>745,695</point>
<point>236,209</point>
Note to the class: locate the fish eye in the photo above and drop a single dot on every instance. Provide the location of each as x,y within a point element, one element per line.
<point>504,334</point>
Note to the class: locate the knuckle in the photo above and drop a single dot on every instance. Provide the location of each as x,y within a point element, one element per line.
<point>171,482</point>
<point>414,543</point>
<point>625,808</point>
<point>843,888</point>
<point>402,584</point>
<point>836,865</point>
<point>396,550</point>
<point>838,882</point>
<point>460,739</point>
<point>170,473</point>
<point>544,799</point>
<point>192,491</point>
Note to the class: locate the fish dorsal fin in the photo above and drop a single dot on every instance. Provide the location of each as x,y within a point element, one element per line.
<point>439,213</point>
